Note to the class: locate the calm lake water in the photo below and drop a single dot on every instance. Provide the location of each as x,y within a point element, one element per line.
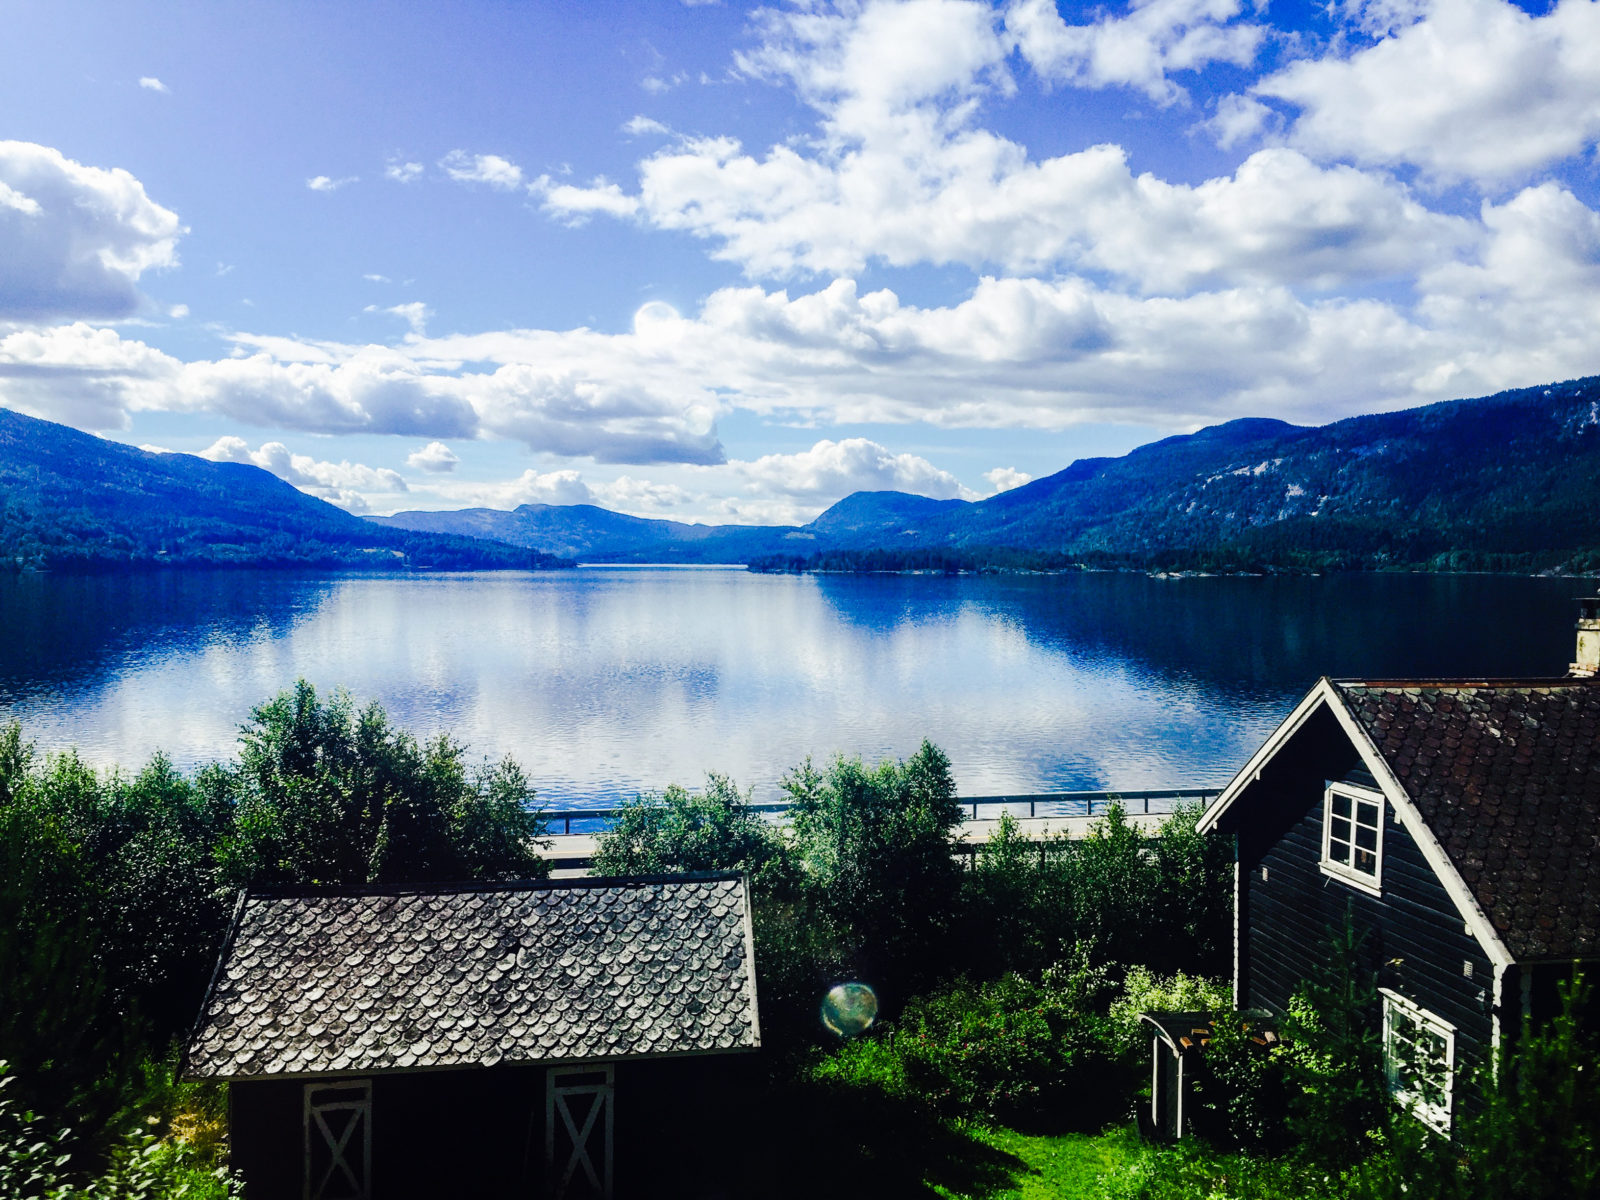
<point>607,681</point>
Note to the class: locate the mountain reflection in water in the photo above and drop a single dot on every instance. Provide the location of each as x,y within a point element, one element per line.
<point>607,681</point>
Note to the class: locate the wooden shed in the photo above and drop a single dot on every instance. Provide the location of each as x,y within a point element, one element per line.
<point>556,1039</point>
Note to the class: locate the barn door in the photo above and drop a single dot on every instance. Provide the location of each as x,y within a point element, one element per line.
<point>577,1132</point>
<point>338,1135</point>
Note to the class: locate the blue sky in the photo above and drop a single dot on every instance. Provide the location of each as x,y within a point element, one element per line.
<point>728,263</point>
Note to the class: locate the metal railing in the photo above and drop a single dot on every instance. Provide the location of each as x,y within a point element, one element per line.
<point>1150,802</point>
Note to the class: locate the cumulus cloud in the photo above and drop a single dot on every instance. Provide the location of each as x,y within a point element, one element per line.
<point>1140,49</point>
<point>403,172</point>
<point>831,470</point>
<point>342,483</point>
<point>1003,479</point>
<point>491,169</point>
<point>324,183</point>
<point>76,239</point>
<point>435,458</point>
<point>151,84</point>
<point>577,203</point>
<point>1475,89</point>
<point>900,175</point>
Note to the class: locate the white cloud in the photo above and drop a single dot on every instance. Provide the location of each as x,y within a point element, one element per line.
<point>979,201</point>
<point>577,204</point>
<point>74,240</point>
<point>345,483</point>
<point>376,278</point>
<point>152,84</point>
<point>415,314</point>
<point>323,183</point>
<point>178,311</point>
<point>1239,119</point>
<point>491,169</point>
<point>403,172</point>
<point>1476,89</point>
<point>656,85</point>
<point>1139,50</point>
<point>830,470</point>
<point>435,458</point>
<point>1003,479</point>
<point>901,175</point>
<point>638,126</point>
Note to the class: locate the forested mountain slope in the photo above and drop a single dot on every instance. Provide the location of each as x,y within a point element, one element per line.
<point>1504,482</point>
<point>1508,482</point>
<point>72,501</point>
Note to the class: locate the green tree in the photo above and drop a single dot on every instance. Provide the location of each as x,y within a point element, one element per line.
<point>1192,897</point>
<point>714,830</point>
<point>327,794</point>
<point>877,850</point>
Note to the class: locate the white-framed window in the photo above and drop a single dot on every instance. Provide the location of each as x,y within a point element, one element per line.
<point>1419,1058</point>
<point>1352,835</point>
<point>338,1129</point>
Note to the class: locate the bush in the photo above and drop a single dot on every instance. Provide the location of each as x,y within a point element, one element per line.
<point>876,847</point>
<point>1009,1049</point>
<point>1143,992</point>
<point>713,831</point>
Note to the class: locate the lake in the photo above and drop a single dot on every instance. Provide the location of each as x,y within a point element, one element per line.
<point>608,681</point>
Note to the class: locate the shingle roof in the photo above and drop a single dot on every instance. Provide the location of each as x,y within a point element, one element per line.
<point>1507,777</point>
<point>371,979</point>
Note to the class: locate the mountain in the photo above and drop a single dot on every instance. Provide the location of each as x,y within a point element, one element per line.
<point>1503,482</point>
<point>72,501</point>
<point>599,535</point>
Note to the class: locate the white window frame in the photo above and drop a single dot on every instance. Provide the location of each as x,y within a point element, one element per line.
<point>1348,872</point>
<point>1435,1116</point>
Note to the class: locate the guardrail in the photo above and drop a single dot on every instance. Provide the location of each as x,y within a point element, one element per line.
<point>1041,804</point>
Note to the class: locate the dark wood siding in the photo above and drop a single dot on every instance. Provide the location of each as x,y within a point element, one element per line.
<point>481,1132</point>
<point>1414,935</point>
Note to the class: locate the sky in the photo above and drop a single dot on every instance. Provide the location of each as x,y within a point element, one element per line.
<point>730,263</point>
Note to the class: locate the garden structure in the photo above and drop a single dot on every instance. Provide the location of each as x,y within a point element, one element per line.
<point>551,1039</point>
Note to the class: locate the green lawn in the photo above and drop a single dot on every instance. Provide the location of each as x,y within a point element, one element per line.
<point>1061,1167</point>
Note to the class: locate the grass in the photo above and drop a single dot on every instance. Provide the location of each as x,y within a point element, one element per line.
<point>1059,1167</point>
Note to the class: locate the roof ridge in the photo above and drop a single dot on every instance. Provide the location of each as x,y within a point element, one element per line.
<point>283,891</point>
<point>1517,681</point>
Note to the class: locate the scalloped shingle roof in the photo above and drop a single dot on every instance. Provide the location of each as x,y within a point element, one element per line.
<point>389,979</point>
<point>1507,776</point>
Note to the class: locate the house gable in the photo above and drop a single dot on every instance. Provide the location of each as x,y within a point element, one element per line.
<point>1416,939</point>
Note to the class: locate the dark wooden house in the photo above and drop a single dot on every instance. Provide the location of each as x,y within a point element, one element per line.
<point>562,1039</point>
<point>1457,822</point>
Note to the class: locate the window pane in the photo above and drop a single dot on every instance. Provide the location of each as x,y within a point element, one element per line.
<point>1341,805</point>
<point>1366,838</point>
<point>1367,814</point>
<point>1339,830</point>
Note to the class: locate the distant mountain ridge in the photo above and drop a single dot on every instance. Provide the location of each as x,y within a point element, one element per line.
<point>1503,482</point>
<point>73,501</point>
<point>585,531</point>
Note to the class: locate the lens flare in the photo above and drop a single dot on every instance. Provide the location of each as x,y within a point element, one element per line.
<point>850,1008</point>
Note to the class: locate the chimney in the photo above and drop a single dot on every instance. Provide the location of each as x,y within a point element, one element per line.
<point>1588,664</point>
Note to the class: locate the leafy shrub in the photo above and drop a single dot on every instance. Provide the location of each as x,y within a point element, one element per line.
<point>1143,991</point>
<point>1000,1050</point>
<point>715,830</point>
<point>36,1162</point>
